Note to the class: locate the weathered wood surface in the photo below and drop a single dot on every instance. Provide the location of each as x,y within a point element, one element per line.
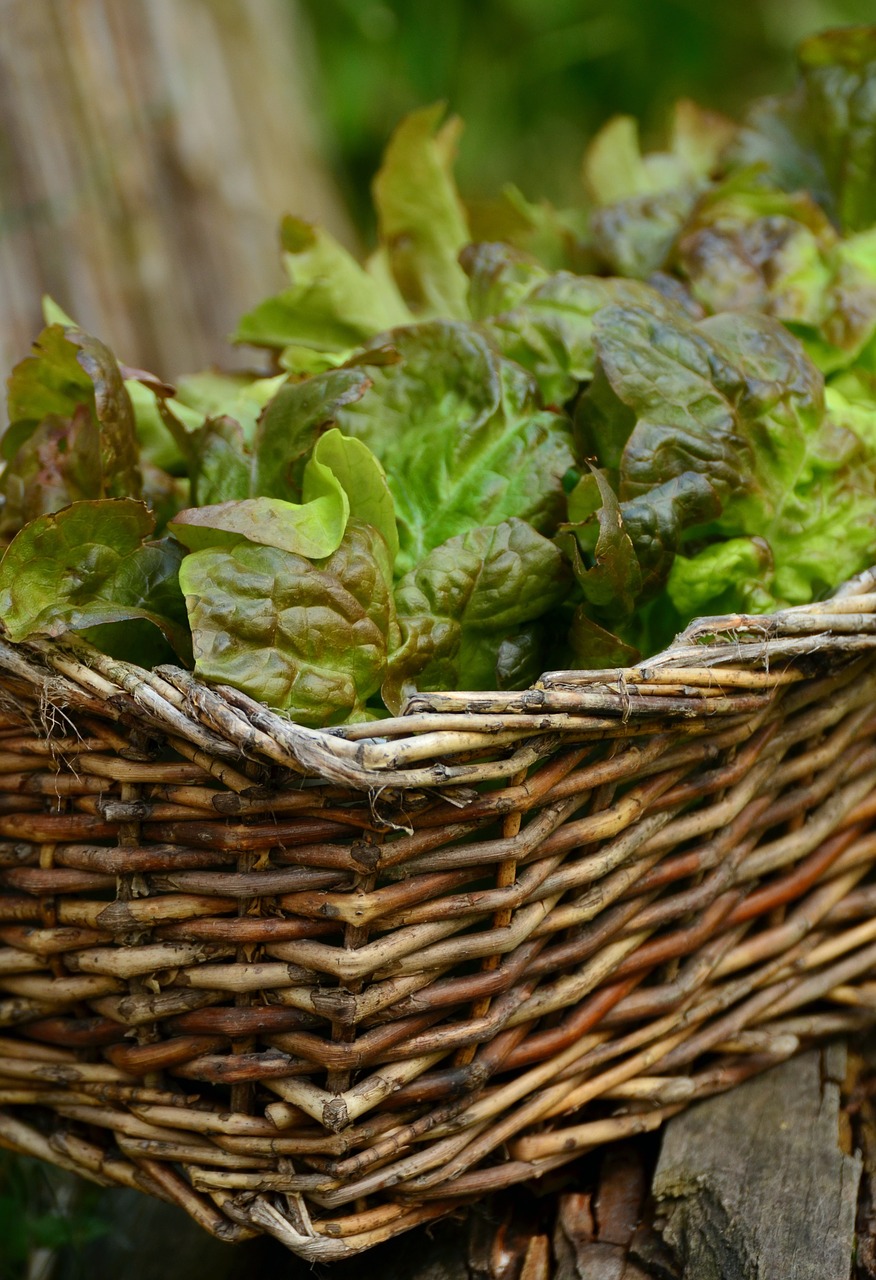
<point>147,152</point>
<point>753,1184</point>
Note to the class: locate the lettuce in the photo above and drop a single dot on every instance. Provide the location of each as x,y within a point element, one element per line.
<point>90,564</point>
<point>470,461</point>
<point>465,613</point>
<point>71,433</point>
<point>462,435</point>
<point>310,637</point>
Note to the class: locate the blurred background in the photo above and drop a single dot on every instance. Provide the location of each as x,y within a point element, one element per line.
<point>147,150</point>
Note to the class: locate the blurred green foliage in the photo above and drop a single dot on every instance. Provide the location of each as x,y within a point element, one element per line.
<point>42,1208</point>
<point>534,79</point>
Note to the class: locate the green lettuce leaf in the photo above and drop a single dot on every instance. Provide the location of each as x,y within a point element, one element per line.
<point>221,470</point>
<point>724,577</point>
<point>550,329</point>
<point>466,612</point>
<point>307,637</point>
<point>91,563</point>
<point>462,436</point>
<point>291,423</point>
<point>363,480</point>
<point>332,305</point>
<point>240,396</point>
<point>158,446</point>
<point>420,218</point>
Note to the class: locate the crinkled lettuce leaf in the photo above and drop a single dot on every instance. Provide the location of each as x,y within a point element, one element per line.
<point>466,612</point>
<point>90,564</point>
<point>750,247</point>
<point>309,637</point>
<point>641,202</point>
<point>724,577</point>
<point>462,436</point>
<point>71,431</point>
<point>731,443</point>
<point>420,218</point>
<point>332,304</point>
<point>549,328</point>
<point>822,135</point>
<point>291,423</point>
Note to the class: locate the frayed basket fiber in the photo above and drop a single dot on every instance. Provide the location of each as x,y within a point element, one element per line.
<point>331,985</point>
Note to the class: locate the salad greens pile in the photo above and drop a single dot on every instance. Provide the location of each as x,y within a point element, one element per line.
<point>545,440</point>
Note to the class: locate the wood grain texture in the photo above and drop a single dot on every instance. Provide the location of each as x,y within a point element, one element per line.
<point>754,1185</point>
<point>147,152</point>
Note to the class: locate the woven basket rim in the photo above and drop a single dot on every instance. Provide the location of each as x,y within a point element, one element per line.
<point>719,666</point>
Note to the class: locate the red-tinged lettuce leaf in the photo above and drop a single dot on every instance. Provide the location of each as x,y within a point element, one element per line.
<point>462,436</point>
<point>611,577</point>
<point>550,330</point>
<point>659,521</point>
<point>499,277</point>
<point>57,465</point>
<point>621,555</point>
<point>466,612</point>
<point>642,202</point>
<point>332,304</point>
<point>839,117</point>
<point>557,238</point>
<point>810,491</point>
<point>313,528</point>
<point>420,218</point>
<point>89,564</point>
<point>683,389</point>
<point>308,637</point>
<point>731,440</point>
<point>291,423</point>
<point>751,247</point>
<point>821,136</point>
<point>759,249</point>
<point>591,647</point>
<point>70,373</point>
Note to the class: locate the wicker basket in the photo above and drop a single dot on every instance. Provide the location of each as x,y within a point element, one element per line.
<point>331,985</point>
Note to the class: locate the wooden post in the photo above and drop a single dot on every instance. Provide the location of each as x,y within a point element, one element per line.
<point>147,152</point>
<point>753,1184</point>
